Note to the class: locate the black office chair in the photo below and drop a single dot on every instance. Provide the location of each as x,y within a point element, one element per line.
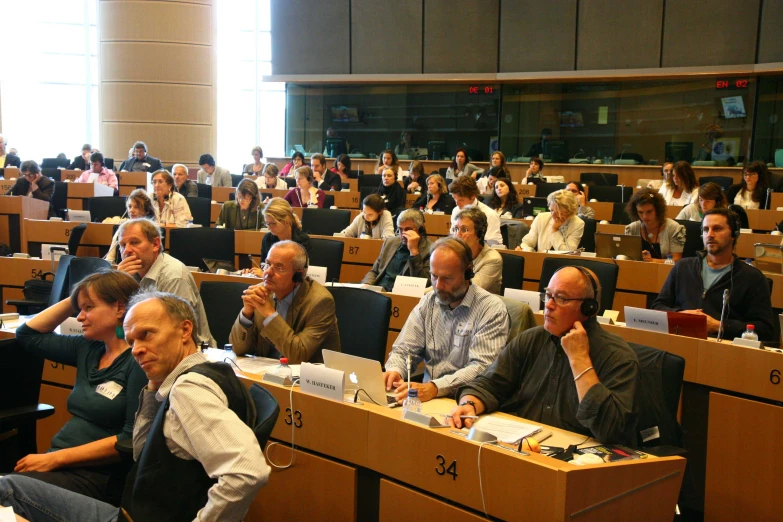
<point>605,272</point>
<point>370,309</point>
<point>29,305</point>
<point>355,174</point>
<point>204,191</point>
<point>60,198</point>
<point>369,180</point>
<point>20,388</point>
<point>545,189</point>
<point>442,171</point>
<point>80,268</point>
<point>109,163</point>
<point>201,210</point>
<point>235,179</point>
<point>265,195</point>
<point>513,271</point>
<point>693,238</point>
<point>588,236</point>
<point>267,411</point>
<point>366,191</point>
<point>291,182</point>
<point>328,253</point>
<point>724,181</point>
<point>53,163</point>
<point>222,302</point>
<point>193,245</point>
<point>619,215</point>
<point>324,221</point>
<point>598,179</point>
<point>328,200</point>
<point>54,174</point>
<point>615,194</point>
<point>106,207</point>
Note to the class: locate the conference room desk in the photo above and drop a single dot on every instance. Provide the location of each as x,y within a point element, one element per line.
<point>13,211</point>
<point>70,175</point>
<point>78,193</point>
<point>764,219</point>
<point>777,200</point>
<point>349,200</point>
<point>353,184</point>
<point>130,181</point>
<point>6,184</point>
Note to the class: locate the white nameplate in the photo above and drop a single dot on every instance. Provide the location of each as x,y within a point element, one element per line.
<point>604,320</point>
<point>529,297</point>
<point>412,286</point>
<point>46,251</point>
<point>612,314</point>
<point>317,379</point>
<point>317,273</point>
<point>747,343</point>
<point>746,231</point>
<point>643,319</point>
<point>71,327</point>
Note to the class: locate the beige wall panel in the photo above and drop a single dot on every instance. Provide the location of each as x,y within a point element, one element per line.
<point>156,63</point>
<point>770,43</point>
<point>203,2</point>
<point>461,36</point>
<point>193,22</point>
<point>156,103</point>
<point>170,143</point>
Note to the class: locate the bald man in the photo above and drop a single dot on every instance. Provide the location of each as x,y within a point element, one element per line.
<point>569,373</point>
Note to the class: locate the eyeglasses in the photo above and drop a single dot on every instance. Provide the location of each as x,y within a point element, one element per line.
<point>278,269</point>
<point>749,174</point>
<point>559,299</point>
<point>464,230</point>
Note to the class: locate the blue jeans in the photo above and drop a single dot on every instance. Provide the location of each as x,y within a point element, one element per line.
<point>41,502</point>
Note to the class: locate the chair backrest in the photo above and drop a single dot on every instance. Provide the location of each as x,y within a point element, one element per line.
<point>267,411</point>
<point>201,210</point>
<point>356,173</point>
<point>366,191</point>
<point>614,194</point>
<point>60,197</point>
<point>328,253</point>
<point>106,207</point>
<point>619,216</point>
<point>191,245</point>
<point>693,238</point>
<point>513,271</point>
<point>370,309</point>
<point>605,272</point>
<point>53,163</point>
<point>75,238</point>
<point>369,180</point>
<point>235,179</point>
<point>204,190</point>
<point>328,200</point>
<point>60,284</point>
<point>54,174</point>
<point>545,189</point>
<point>108,163</point>
<point>588,236</point>
<point>290,181</point>
<point>724,181</point>
<point>324,221</point>
<point>81,267</point>
<point>222,302</point>
<point>599,179</point>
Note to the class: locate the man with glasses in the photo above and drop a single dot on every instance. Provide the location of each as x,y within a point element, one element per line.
<point>406,254</point>
<point>33,184</point>
<point>569,373</point>
<point>471,226</point>
<point>289,314</point>
<point>458,329</point>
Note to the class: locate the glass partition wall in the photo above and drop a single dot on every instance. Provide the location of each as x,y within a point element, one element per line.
<point>632,122</point>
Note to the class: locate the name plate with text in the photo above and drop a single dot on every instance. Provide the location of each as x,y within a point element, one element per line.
<point>317,379</point>
<point>643,319</point>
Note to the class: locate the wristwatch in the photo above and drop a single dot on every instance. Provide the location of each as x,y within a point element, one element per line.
<point>463,403</point>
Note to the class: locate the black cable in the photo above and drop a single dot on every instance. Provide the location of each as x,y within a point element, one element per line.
<point>356,397</point>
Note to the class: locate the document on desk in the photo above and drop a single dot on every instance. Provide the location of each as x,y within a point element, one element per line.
<point>7,514</point>
<point>508,431</point>
<point>263,365</point>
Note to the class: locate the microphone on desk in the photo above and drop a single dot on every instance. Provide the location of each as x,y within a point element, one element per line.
<point>581,151</point>
<point>623,151</point>
<point>723,314</point>
<point>766,202</point>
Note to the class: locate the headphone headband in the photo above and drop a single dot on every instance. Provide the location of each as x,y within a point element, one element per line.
<point>590,305</point>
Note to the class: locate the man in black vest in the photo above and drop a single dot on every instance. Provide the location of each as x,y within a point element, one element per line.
<point>196,457</point>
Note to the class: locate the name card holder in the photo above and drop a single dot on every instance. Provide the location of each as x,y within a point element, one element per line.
<point>410,286</point>
<point>424,420</point>
<point>747,343</point>
<point>317,379</point>
<point>273,378</point>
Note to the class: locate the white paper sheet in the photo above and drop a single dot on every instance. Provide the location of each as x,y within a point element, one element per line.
<point>508,431</point>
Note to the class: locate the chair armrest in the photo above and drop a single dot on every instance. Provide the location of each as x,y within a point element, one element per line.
<point>23,413</point>
<point>124,446</point>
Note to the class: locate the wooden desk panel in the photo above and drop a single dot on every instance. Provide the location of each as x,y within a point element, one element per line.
<point>358,251</point>
<point>438,225</point>
<point>13,211</point>
<point>746,241</point>
<point>70,175</point>
<point>739,369</point>
<point>776,200</point>
<point>777,289</point>
<point>135,179</point>
<point>400,503</point>
<point>603,210</point>
<point>402,306</point>
<point>764,219</point>
<point>46,429</point>
<point>59,373</point>
<point>610,229</point>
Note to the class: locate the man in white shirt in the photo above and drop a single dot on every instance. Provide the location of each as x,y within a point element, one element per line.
<point>465,193</point>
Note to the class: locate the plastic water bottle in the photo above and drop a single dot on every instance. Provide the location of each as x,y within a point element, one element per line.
<point>283,370</point>
<point>228,347</point>
<point>669,260</point>
<point>750,333</point>
<point>749,261</point>
<point>412,402</point>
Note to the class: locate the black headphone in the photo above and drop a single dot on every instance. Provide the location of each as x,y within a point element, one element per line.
<point>590,305</point>
<point>467,255</point>
<point>299,275</point>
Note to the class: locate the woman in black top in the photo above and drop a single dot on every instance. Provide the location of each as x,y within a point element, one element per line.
<point>391,191</point>
<point>414,181</point>
<point>437,197</point>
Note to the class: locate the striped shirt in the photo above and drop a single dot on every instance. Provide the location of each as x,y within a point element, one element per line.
<point>456,345</point>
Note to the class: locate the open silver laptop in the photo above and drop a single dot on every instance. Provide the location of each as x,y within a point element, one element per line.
<point>612,245</point>
<point>366,374</point>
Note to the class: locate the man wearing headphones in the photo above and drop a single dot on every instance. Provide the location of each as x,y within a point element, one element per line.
<point>288,315</point>
<point>98,173</point>
<point>458,329</point>
<point>569,373</point>
<point>696,284</point>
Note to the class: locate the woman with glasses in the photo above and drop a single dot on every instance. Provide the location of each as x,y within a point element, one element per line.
<point>373,222</point>
<point>666,173</point>
<point>437,197</point>
<point>270,180</point>
<point>752,191</point>
<point>242,214</point>
<point>681,188</point>
<point>33,184</point>
<point>660,235</point>
<point>503,200</point>
<point>470,225</point>
<point>283,225</point>
<point>560,229</point>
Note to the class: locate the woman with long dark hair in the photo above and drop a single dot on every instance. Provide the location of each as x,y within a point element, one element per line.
<point>752,191</point>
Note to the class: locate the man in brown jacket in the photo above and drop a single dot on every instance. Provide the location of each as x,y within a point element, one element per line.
<point>288,315</point>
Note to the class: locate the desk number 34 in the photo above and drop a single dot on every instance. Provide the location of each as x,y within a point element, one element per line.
<point>774,376</point>
<point>441,468</point>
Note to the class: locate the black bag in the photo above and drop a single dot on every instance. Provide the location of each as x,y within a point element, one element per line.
<point>5,250</point>
<point>38,289</point>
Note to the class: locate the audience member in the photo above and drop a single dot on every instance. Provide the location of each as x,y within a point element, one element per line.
<point>710,196</point>
<point>373,222</point>
<point>257,166</point>
<point>486,183</point>
<point>105,394</point>
<point>407,254</point>
<point>470,227</point>
<point>270,179</point>
<point>458,329</point>
<point>82,162</point>
<point>535,171</point>
<point>660,235</point>
<point>211,174</point>
<point>696,284</point>
<point>751,192</point>
<point>542,147</point>
<point>33,184</point>
<point>143,258</point>
<point>414,180</point>
<point>140,161</point>
<point>461,166</point>
<point>498,160</point>
<point>324,179</point>
<point>8,159</point>
<point>437,197</point>
<point>305,194</point>
<point>387,159</point>
<point>171,208</point>
<point>559,229</point>
<point>666,172</point>
<point>98,173</point>
<point>183,185</point>
<point>569,373</point>
<point>283,225</point>
<point>391,192</point>
<point>465,193</point>
<point>681,188</point>
<point>297,160</point>
<point>584,212</point>
<point>289,314</point>
<point>138,205</point>
<point>243,213</point>
<point>503,200</point>
<point>342,167</point>
<point>404,147</point>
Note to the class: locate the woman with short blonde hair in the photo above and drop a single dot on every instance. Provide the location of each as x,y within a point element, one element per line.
<point>559,229</point>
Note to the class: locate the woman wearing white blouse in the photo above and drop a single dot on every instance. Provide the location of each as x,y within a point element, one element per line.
<point>681,188</point>
<point>171,208</point>
<point>559,229</point>
<point>752,191</point>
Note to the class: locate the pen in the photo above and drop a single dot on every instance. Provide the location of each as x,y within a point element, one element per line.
<point>468,417</point>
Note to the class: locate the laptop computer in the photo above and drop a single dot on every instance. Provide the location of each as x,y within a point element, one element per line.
<point>366,374</point>
<point>612,245</point>
<point>534,206</point>
<point>80,216</point>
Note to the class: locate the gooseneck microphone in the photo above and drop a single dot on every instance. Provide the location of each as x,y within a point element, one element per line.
<point>766,202</point>
<point>723,314</point>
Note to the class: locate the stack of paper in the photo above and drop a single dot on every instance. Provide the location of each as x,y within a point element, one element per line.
<point>508,431</point>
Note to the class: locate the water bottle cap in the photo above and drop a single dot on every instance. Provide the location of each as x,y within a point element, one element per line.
<point>750,327</point>
<point>413,392</point>
<point>284,360</point>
